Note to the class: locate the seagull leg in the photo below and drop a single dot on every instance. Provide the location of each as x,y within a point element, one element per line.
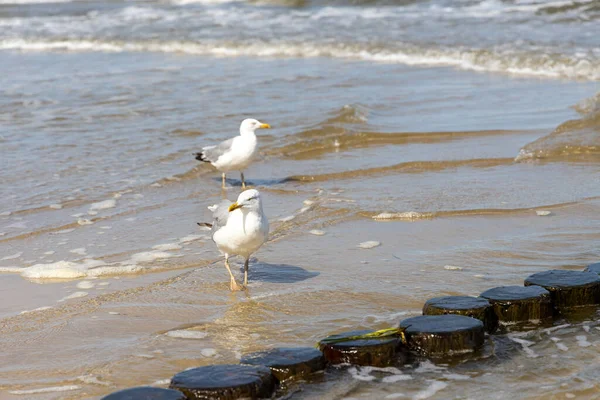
<point>223,180</point>
<point>243,181</point>
<point>246,272</point>
<point>233,285</point>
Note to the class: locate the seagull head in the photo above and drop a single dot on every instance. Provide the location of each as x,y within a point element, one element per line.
<point>248,199</point>
<point>250,125</point>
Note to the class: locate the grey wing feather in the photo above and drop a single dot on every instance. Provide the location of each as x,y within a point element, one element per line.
<point>220,215</point>
<point>212,153</point>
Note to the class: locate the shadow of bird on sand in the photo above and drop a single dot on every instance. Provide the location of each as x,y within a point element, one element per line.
<point>278,273</point>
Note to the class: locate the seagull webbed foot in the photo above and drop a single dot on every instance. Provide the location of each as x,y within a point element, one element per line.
<point>235,287</point>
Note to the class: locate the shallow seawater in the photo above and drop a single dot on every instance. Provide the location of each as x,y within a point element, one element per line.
<point>404,165</point>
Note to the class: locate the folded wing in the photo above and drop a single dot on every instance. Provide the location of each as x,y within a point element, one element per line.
<point>220,214</point>
<point>212,153</point>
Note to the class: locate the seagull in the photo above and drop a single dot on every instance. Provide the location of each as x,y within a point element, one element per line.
<point>239,228</point>
<point>235,153</point>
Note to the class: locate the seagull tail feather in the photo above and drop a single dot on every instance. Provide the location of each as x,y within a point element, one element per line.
<point>201,157</point>
<point>204,224</point>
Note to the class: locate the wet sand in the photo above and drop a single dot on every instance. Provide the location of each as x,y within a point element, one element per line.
<point>288,304</point>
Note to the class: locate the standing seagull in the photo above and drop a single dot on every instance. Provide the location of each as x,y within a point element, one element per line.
<point>239,228</point>
<point>234,154</point>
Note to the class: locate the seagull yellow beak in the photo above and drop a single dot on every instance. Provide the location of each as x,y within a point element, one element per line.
<point>234,206</point>
<point>265,126</point>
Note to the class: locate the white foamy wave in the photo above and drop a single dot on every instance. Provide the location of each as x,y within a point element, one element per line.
<point>396,378</point>
<point>541,63</point>
<point>589,106</point>
<point>36,310</point>
<point>497,8</point>
<point>80,251</point>
<point>72,270</point>
<point>8,2</point>
<point>90,379</point>
<point>186,334</point>
<point>53,389</point>
<point>574,139</point>
<point>582,341</point>
<point>351,14</point>
<point>456,377</point>
<point>75,295</point>
<point>60,269</point>
<point>510,62</point>
<point>428,367</point>
<point>431,390</point>
<point>561,346</point>
<point>205,2</point>
<point>209,352</point>
<point>92,23</point>
<point>12,256</point>
<point>11,269</point>
<point>191,238</point>
<point>167,247</point>
<point>360,374</point>
<point>525,344</point>
<point>103,205</point>
<point>149,256</point>
<point>139,14</point>
<point>85,285</point>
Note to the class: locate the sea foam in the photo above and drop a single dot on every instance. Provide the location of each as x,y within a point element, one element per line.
<point>103,205</point>
<point>12,256</point>
<point>72,270</point>
<point>149,256</point>
<point>167,247</point>
<point>74,295</point>
<point>542,62</point>
<point>186,334</point>
<point>46,390</point>
<point>431,390</point>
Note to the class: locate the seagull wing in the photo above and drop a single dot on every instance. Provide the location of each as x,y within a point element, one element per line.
<point>220,215</point>
<point>212,153</point>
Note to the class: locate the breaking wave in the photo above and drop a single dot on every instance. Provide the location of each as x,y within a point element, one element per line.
<point>585,66</point>
<point>577,139</point>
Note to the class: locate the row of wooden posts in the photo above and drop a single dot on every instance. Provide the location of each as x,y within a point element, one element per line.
<point>450,327</point>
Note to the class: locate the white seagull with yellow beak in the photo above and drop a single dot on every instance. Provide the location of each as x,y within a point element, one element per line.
<point>240,229</point>
<point>234,154</point>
